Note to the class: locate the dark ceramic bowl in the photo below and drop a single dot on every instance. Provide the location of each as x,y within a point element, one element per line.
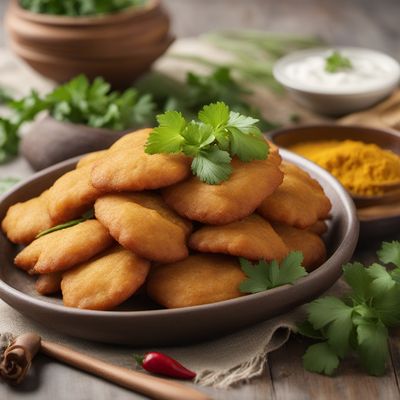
<point>384,217</point>
<point>139,322</point>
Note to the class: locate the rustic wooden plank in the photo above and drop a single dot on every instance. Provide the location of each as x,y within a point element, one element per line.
<point>292,382</point>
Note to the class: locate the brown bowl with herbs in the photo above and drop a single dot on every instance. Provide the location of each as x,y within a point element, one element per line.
<point>119,44</point>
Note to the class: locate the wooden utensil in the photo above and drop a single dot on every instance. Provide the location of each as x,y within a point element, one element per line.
<point>16,355</point>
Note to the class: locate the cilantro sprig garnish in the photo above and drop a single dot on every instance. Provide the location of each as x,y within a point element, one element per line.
<point>212,141</point>
<point>336,62</point>
<point>358,323</point>
<point>266,275</point>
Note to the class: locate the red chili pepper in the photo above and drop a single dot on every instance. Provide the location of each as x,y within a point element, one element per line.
<point>159,363</point>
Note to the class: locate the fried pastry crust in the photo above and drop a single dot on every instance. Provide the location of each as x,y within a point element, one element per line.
<point>24,221</point>
<point>144,224</point>
<point>126,166</point>
<point>48,283</point>
<point>300,201</point>
<point>71,195</point>
<point>91,158</point>
<point>232,200</point>
<point>309,243</point>
<point>105,281</point>
<point>199,279</point>
<point>252,238</point>
<point>61,250</point>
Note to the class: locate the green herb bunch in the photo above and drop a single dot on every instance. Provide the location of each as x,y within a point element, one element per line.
<point>75,8</point>
<point>188,97</point>
<point>80,102</point>
<point>212,140</point>
<point>358,323</point>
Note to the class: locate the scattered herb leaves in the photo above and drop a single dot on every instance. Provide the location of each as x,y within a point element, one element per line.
<point>218,135</point>
<point>337,62</point>
<point>358,322</point>
<point>266,275</point>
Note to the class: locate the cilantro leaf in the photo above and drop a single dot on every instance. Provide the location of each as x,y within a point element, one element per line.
<point>337,62</point>
<point>212,166</point>
<point>373,346</point>
<point>247,147</point>
<point>357,277</point>
<point>197,136</point>
<point>382,281</point>
<point>215,114</point>
<point>390,253</point>
<point>387,306</point>
<point>306,329</point>
<point>266,275</point>
<point>335,316</point>
<point>167,137</point>
<point>321,358</point>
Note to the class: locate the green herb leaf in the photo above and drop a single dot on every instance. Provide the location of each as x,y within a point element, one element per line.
<point>390,253</point>
<point>167,137</point>
<point>382,281</point>
<point>69,224</point>
<point>337,62</point>
<point>321,358</point>
<point>215,114</point>
<point>212,166</point>
<point>335,316</point>
<point>267,275</point>
<point>357,277</point>
<point>373,346</point>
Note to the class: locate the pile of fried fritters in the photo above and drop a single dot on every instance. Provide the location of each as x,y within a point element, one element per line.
<point>157,224</point>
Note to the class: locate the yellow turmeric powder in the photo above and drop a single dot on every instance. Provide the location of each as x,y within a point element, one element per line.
<point>364,169</point>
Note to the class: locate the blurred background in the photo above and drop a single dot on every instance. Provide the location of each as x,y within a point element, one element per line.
<point>371,23</point>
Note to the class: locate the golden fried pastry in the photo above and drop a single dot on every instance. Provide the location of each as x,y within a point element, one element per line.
<point>126,166</point>
<point>252,238</point>
<point>91,158</point>
<point>61,250</point>
<point>199,279</point>
<point>48,283</point>
<point>24,221</point>
<point>234,199</point>
<point>310,244</point>
<point>71,195</point>
<point>144,224</point>
<point>299,201</point>
<point>319,228</point>
<point>105,281</point>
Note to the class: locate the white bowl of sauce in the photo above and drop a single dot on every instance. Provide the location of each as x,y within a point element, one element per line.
<point>368,77</point>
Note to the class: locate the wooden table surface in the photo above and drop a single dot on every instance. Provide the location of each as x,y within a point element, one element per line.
<point>366,23</point>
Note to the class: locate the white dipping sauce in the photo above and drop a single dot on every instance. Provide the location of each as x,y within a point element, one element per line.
<point>369,70</point>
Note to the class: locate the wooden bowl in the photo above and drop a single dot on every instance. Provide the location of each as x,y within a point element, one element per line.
<point>140,322</point>
<point>120,46</point>
<point>384,218</point>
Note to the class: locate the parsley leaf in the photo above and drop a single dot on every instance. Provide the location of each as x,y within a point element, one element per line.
<point>390,253</point>
<point>337,62</point>
<point>266,275</point>
<point>320,358</point>
<point>382,281</point>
